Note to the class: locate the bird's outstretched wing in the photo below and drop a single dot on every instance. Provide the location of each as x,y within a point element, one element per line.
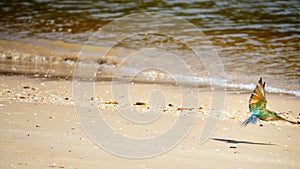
<point>258,97</point>
<point>252,119</point>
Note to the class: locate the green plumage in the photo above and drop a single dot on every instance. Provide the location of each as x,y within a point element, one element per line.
<point>257,106</point>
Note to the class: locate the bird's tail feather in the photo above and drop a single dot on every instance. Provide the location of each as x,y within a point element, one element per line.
<point>281,117</point>
<point>252,119</point>
<point>291,121</point>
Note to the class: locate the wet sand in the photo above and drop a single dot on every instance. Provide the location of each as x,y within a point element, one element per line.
<point>40,129</point>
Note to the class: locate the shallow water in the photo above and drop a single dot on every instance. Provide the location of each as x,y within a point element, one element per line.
<point>253,40</point>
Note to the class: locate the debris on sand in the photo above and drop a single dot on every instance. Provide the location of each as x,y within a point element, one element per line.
<point>110,102</point>
<point>138,103</point>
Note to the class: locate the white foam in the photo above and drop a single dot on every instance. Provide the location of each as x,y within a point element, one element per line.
<point>194,80</point>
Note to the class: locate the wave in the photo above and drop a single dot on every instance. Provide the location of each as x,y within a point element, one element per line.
<point>179,79</point>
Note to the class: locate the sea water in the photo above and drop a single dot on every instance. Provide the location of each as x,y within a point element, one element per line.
<point>252,40</point>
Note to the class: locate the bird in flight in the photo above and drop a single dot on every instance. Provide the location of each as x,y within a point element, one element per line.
<point>257,106</point>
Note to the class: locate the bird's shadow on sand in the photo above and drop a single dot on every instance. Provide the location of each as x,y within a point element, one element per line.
<point>240,141</point>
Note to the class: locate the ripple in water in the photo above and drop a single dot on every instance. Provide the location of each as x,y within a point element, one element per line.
<point>253,39</point>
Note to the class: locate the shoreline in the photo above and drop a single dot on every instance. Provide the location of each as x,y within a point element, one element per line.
<point>15,86</point>
<point>57,59</point>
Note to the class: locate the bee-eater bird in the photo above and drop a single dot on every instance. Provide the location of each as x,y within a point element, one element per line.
<point>257,106</point>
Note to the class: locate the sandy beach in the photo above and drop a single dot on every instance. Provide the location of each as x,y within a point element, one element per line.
<point>91,84</point>
<point>40,129</point>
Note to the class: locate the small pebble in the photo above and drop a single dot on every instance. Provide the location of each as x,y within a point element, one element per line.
<point>140,103</point>
<point>12,166</point>
<point>180,108</point>
<point>111,102</point>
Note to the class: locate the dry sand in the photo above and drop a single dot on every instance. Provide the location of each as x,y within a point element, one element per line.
<point>40,129</point>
